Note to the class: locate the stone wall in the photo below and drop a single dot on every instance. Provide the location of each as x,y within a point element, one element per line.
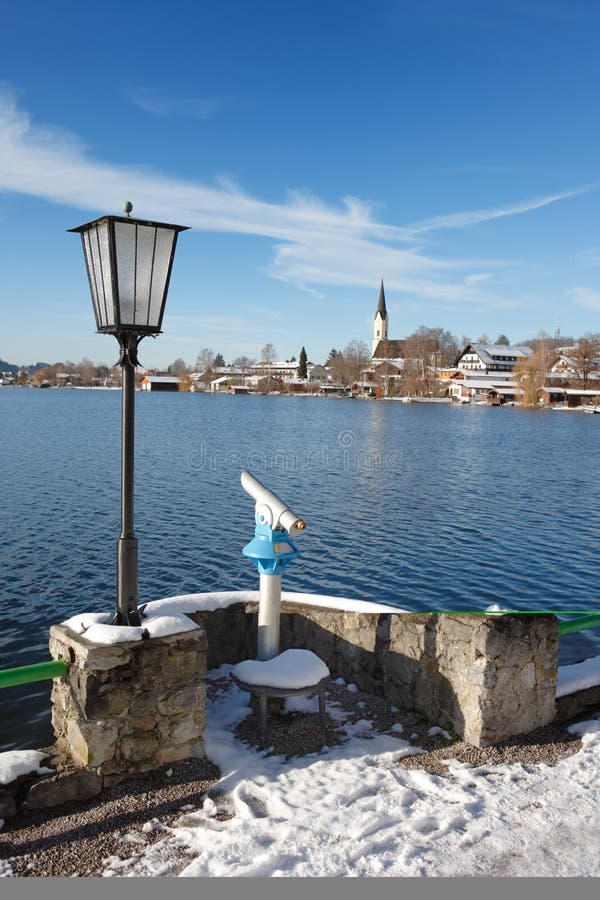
<point>485,676</point>
<point>582,701</point>
<point>125,709</point>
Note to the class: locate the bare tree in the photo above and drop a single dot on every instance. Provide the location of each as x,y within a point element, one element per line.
<point>177,367</point>
<point>587,356</point>
<point>205,361</point>
<point>338,369</point>
<point>268,355</point>
<point>419,356</point>
<point>242,362</point>
<point>356,357</point>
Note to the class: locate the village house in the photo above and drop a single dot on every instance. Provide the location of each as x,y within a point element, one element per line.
<point>485,372</point>
<point>160,383</point>
<point>491,358</point>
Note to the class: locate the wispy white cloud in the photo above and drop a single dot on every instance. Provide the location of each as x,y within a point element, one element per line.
<point>587,297</point>
<point>157,102</point>
<point>315,244</point>
<point>476,216</point>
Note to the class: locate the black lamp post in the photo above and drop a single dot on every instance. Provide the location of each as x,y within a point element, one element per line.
<point>129,264</point>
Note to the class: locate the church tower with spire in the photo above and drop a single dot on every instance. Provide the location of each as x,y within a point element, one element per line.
<point>380,326</point>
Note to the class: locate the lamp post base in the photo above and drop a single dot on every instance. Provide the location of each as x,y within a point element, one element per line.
<point>127,582</point>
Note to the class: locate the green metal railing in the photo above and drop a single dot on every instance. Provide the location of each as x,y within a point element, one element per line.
<point>53,668</point>
<point>580,624</point>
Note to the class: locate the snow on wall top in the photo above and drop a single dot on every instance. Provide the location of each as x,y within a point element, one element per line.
<point>190,603</point>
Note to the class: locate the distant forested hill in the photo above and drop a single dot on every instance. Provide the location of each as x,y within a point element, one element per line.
<point>10,367</point>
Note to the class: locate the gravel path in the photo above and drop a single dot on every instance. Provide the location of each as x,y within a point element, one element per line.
<point>76,839</point>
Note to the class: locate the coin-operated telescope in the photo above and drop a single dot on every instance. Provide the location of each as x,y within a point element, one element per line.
<point>271,550</point>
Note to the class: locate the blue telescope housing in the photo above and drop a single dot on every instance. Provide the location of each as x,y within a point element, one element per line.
<point>270,550</point>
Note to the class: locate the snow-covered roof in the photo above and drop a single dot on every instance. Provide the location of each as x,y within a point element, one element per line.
<point>509,391</point>
<point>492,354</point>
<point>161,379</point>
<point>567,360</point>
<point>282,366</point>
<point>487,385</point>
<point>573,392</point>
<point>461,376</point>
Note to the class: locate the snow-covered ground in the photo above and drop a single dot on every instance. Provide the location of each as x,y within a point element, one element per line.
<point>354,810</point>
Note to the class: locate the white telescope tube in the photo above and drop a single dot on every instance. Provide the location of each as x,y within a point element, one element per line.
<point>269,505</point>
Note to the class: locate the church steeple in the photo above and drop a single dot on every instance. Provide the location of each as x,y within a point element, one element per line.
<point>380,327</point>
<point>381,305</point>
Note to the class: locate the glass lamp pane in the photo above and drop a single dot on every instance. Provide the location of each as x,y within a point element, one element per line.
<point>97,293</point>
<point>162,260</point>
<point>125,241</point>
<point>95,245</point>
<point>146,238</point>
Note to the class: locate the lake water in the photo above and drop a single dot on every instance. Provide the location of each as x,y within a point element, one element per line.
<point>424,507</point>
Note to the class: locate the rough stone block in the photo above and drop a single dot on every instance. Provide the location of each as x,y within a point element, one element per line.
<point>185,698</point>
<point>91,743</point>
<point>62,788</point>
<point>186,730</point>
<point>140,747</point>
<point>143,723</point>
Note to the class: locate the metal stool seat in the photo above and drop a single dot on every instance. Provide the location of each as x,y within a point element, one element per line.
<point>264,691</point>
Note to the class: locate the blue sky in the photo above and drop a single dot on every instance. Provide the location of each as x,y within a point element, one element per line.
<point>313,147</point>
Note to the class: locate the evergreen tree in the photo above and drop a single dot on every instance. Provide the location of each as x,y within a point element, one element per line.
<point>302,370</point>
<point>219,360</point>
<point>502,339</point>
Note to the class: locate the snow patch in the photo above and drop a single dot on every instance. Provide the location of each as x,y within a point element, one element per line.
<point>352,810</point>
<point>14,763</point>
<point>82,622</point>
<point>291,669</point>
<point>211,600</point>
<point>578,676</point>
<point>437,730</point>
<point>169,615</point>
<point>95,628</point>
